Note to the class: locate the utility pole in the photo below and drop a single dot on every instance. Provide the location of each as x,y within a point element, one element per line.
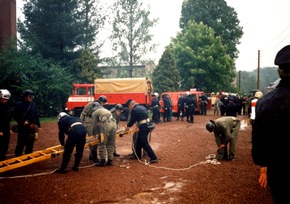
<point>258,70</point>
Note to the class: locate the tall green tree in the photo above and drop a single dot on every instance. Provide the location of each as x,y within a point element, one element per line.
<point>131,32</point>
<point>20,71</point>
<point>202,60</point>
<point>166,76</point>
<point>60,29</point>
<point>93,16</point>
<point>216,15</point>
<point>86,67</point>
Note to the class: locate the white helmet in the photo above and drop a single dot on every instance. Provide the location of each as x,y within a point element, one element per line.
<point>187,93</point>
<point>156,94</point>
<point>258,94</point>
<point>4,93</point>
<point>61,115</point>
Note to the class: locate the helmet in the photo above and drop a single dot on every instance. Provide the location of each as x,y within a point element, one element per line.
<point>156,94</point>
<point>103,99</point>
<point>119,107</point>
<point>187,93</point>
<point>4,93</point>
<point>61,115</point>
<point>258,94</point>
<point>210,126</point>
<point>28,92</point>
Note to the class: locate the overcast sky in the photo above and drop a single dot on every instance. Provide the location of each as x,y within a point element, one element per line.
<point>266,26</point>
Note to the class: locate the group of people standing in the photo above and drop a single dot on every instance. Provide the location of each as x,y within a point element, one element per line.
<point>27,119</point>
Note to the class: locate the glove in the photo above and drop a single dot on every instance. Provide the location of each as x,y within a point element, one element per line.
<point>220,153</point>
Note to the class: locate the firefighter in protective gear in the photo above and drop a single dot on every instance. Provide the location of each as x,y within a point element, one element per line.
<point>27,118</point>
<point>257,95</point>
<point>116,113</point>
<point>4,123</point>
<point>86,118</point>
<point>226,131</point>
<point>76,138</point>
<point>104,128</point>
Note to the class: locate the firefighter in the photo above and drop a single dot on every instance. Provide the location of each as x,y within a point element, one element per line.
<point>116,113</point>
<point>257,95</point>
<point>155,105</point>
<point>4,123</point>
<point>105,128</point>
<point>226,131</point>
<point>86,117</point>
<point>139,115</point>
<point>28,122</point>
<point>76,138</point>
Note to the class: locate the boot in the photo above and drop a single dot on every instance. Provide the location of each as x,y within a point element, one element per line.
<point>102,163</point>
<point>93,156</point>
<point>110,162</point>
<point>62,169</point>
<point>116,155</point>
<point>76,166</point>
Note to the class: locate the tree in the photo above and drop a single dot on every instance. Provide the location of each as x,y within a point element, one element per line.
<point>202,60</point>
<point>131,37</point>
<point>86,66</point>
<point>216,15</point>
<point>60,29</point>
<point>166,75</point>
<point>20,71</point>
<point>93,17</point>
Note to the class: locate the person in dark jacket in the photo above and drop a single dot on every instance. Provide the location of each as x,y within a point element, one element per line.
<point>76,138</point>
<point>155,105</point>
<point>180,103</point>
<point>27,119</point>
<point>167,108</point>
<point>231,108</point>
<point>4,123</point>
<point>139,115</point>
<point>271,133</point>
<point>203,104</point>
<point>190,104</point>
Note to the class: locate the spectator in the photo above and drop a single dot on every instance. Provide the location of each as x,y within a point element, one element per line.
<point>4,123</point>
<point>257,95</point>
<point>155,105</point>
<point>27,119</point>
<point>271,133</point>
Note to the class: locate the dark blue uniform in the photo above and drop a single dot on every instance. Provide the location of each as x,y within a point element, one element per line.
<point>76,137</point>
<point>5,129</point>
<point>180,108</point>
<point>139,113</point>
<point>203,104</point>
<point>190,104</point>
<point>271,139</point>
<point>26,111</point>
<point>156,110</point>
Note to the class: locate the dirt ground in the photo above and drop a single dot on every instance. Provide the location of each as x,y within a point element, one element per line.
<point>182,175</point>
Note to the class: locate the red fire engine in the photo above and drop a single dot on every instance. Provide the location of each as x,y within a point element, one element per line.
<point>117,91</point>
